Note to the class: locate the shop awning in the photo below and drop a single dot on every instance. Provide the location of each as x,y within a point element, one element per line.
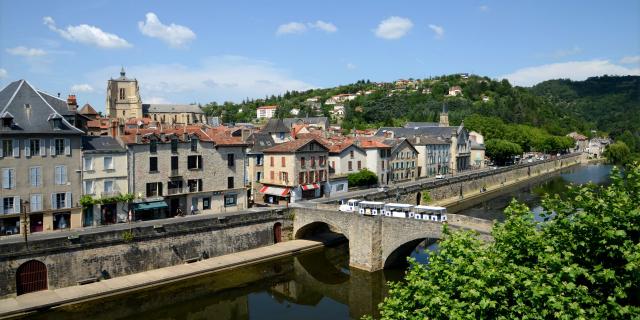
<point>275,191</point>
<point>150,205</point>
<point>310,186</point>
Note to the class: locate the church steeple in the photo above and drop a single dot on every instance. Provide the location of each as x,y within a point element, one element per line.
<point>444,116</point>
<point>122,71</point>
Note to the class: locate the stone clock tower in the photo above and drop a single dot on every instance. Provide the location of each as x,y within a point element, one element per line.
<point>123,98</point>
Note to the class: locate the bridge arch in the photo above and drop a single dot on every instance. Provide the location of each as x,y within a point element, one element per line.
<point>396,250</point>
<point>315,228</point>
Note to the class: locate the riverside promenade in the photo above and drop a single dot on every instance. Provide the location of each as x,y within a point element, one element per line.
<point>31,302</point>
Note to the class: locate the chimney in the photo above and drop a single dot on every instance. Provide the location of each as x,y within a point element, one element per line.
<point>113,125</point>
<point>72,103</point>
<point>138,138</point>
<point>244,134</point>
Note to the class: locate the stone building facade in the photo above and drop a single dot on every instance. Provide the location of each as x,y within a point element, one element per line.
<point>123,98</point>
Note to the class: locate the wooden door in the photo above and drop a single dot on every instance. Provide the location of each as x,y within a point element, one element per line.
<point>31,276</point>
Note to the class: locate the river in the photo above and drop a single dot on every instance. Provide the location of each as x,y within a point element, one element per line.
<point>316,285</point>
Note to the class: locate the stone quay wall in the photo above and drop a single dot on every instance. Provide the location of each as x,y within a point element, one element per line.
<point>70,259</point>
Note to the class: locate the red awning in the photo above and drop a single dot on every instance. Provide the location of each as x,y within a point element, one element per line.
<point>275,191</point>
<point>310,186</point>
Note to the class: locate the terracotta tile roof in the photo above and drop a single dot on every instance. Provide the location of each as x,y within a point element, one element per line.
<point>293,146</point>
<point>220,135</point>
<point>267,107</point>
<point>372,143</point>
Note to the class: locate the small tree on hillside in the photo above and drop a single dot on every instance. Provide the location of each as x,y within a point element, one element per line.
<point>363,177</point>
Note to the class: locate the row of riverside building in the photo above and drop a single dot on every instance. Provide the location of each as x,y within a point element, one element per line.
<point>64,168</point>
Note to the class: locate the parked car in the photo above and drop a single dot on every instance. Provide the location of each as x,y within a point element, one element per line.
<point>439,176</point>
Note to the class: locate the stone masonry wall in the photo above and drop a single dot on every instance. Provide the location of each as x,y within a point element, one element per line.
<point>69,260</point>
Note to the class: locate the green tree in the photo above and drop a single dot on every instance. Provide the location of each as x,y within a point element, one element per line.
<point>363,177</point>
<point>502,151</point>
<point>617,152</point>
<point>582,262</point>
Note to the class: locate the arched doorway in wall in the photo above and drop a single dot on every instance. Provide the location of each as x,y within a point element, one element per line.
<point>31,276</point>
<point>418,198</point>
<point>277,232</point>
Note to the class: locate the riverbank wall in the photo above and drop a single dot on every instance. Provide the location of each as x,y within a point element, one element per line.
<point>71,259</point>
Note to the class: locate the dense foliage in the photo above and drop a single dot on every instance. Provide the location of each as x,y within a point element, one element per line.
<point>583,262</point>
<point>363,177</point>
<point>501,151</point>
<point>618,153</point>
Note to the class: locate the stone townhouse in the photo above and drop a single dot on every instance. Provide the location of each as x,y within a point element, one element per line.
<point>40,162</point>
<point>188,170</point>
<point>257,143</point>
<point>433,155</point>
<point>295,170</point>
<point>403,160</point>
<point>346,157</point>
<point>104,176</point>
<point>377,156</point>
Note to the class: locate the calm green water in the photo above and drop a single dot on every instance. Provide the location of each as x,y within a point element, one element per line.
<point>317,285</point>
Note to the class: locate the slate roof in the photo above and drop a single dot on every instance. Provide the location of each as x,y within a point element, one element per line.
<point>171,108</point>
<point>43,107</point>
<point>275,125</point>
<point>260,141</point>
<point>421,124</point>
<point>428,140</point>
<point>101,144</point>
<point>445,132</point>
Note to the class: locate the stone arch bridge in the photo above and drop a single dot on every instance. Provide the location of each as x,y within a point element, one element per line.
<point>378,241</point>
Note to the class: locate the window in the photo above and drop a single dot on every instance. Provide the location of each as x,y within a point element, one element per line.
<point>230,160</point>
<point>271,175</point>
<point>174,163</point>
<point>153,146</point>
<point>340,187</point>
<point>194,185</point>
<point>351,154</point>
<point>8,178</point>
<point>59,146</point>
<point>382,165</point>
<point>281,135</point>
<point>259,160</point>
<point>301,178</point>
<point>122,94</point>
<point>174,145</point>
<point>283,162</point>
<point>34,147</point>
<point>154,189</point>
<point>229,182</point>
<point>313,162</point>
<point>349,166</point>
<point>60,200</point>
<point>88,187</point>
<point>194,145</point>
<point>153,164</point>
<point>312,176</point>
<point>322,160</point>
<point>206,203</point>
<point>8,205</point>
<point>60,175</point>
<point>7,147</point>
<point>312,147</point>
<point>302,163</point>
<point>194,162</point>
<point>271,161</point>
<point>88,164</point>
<point>359,165</point>
<point>258,176</point>
<point>108,163</point>
<point>36,202</point>
<point>284,176</point>
<point>321,175</point>
<point>108,186</point>
<point>35,176</point>
<point>230,200</point>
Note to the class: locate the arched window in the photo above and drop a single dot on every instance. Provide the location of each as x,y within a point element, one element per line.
<point>31,276</point>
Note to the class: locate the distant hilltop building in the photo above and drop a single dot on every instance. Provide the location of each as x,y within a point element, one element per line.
<point>266,112</point>
<point>124,102</point>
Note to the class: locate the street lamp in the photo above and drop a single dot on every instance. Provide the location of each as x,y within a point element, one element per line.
<point>25,223</point>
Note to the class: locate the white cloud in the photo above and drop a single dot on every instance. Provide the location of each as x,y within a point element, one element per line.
<point>484,8</point>
<point>3,73</point>
<point>87,34</point>
<point>291,28</point>
<point>574,70</point>
<point>393,28</point>
<point>219,78</point>
<point>26,52</point>
<point>566,52</point>
<point>156,100</point>
<point>630,60</point>
<point>81,88</point>
<point>176,36</point>
<point>438,30</point>
<point>324,26</point>
<point>351,66</point>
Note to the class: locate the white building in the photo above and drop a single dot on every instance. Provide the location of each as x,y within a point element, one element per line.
<point>266,112</point>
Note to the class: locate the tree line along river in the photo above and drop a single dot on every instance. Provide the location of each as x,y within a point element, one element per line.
<point>317,285</point>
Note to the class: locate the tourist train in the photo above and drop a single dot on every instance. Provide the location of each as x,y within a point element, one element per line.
<point>398,210</point>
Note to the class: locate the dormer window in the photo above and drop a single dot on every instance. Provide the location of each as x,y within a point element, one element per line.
<point>57,123</point>
<point>7,120</point>
<point>194,144</point>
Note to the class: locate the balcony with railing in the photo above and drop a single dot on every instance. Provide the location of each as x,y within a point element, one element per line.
<point>175,173</point>
<point>175,191</point>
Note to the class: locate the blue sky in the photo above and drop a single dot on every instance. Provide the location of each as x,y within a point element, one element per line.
<point>197,51</point>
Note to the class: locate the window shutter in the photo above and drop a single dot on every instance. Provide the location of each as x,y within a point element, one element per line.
<point>27,148</point>
<point>64,175</point>
<point>1,205</point>
<point>67,200</point>
<point>16,204</point>
<point>53,201</point>
<point>12,174</point>
<point>6,179</point>
<point>67,147</point>
<point>52,146</point>
<point>43,147</point>
<point>1,151</point>
<point>16,148</point>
